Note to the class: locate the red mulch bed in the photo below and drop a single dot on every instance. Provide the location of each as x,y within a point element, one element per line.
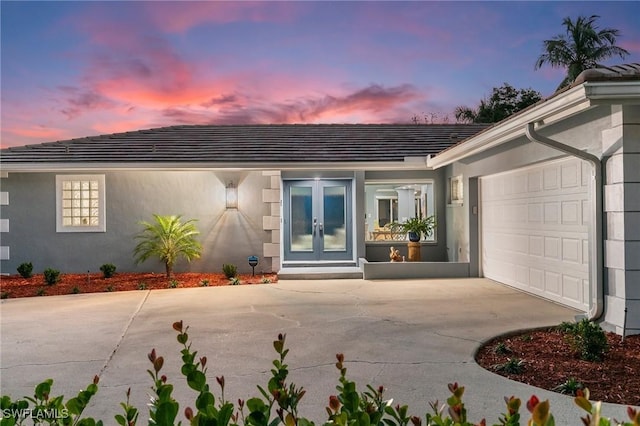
<point>549,361</point>
<point>16,286</point>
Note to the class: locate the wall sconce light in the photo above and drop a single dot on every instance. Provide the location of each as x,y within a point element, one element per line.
<point>232,196</point>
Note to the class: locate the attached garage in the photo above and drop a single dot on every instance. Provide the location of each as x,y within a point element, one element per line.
<point>534,232</point>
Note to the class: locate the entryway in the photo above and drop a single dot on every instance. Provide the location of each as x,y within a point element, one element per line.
<point>317,222</point>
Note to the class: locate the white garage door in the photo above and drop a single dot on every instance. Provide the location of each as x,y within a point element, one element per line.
<point>534,230</point>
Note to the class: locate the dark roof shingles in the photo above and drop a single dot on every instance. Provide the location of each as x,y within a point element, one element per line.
<point>251,144</point>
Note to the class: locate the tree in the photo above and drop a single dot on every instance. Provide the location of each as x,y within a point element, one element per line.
<point>581,48</point>
<point>168,238</point>
<point>503,102</point>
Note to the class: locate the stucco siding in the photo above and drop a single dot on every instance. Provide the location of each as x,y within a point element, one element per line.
<point>132,196</point>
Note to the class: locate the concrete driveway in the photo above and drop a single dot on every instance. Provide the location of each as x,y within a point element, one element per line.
<point>413,337</point>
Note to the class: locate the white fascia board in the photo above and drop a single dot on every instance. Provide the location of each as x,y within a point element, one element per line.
<point>624,92</point>
<point>410,163</point>
<point>569,103</point>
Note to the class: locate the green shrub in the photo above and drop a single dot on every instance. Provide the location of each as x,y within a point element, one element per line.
<point>142,285</point>
<point>51,276</point>
<point>204,283</point>
<point>41,292</point>
<point>587,338</point>
<point>4,295</point>
<point>265,280</point>
<point>277,402</point>
<point>108,270</point>
<point>25,270</point>
<point>511,366</point>
<point>109,288</point>
<point>174,284</point>
<point>234,281</point>
<point>75,290</point>
<point>502,349</point>
<point>570,387</point>
<point>229,270</point>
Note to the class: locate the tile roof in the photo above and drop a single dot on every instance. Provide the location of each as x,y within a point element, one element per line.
<point>246,144</point>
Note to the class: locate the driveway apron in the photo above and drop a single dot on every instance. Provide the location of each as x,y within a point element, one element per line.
<point>411,336</point>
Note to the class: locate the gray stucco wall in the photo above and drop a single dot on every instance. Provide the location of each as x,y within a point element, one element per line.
<point>131,197</point>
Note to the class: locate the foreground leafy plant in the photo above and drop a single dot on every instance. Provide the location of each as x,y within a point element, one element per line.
<point>277,402</point>
<point>43,408</point>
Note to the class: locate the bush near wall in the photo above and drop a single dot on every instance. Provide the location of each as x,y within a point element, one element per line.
<point>276,402</point>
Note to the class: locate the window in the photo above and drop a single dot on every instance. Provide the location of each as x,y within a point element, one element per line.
<point>80,203</point>
<point>390,201</point>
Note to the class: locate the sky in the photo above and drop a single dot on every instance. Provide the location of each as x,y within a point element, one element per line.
<point>84,68</point>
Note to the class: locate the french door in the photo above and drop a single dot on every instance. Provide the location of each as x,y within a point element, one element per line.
<point>317,220</point>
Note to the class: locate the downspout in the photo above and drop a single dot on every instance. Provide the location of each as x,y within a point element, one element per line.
<point>596,298</point>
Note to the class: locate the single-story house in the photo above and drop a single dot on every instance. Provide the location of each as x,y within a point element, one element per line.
<point>547,201</point>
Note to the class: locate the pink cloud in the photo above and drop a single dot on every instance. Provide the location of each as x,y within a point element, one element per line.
<point>176,17</point>
<point>79,101</point>
<point>368,102</point>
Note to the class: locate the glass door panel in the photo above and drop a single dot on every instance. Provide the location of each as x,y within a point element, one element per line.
<point>334,236</point>
<point>301,220</point>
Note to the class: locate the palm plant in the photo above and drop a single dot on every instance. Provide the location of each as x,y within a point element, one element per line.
<point>168,238</point>
<point>581,48</point>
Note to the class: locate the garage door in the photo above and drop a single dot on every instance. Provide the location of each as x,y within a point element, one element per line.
<point>534,230</point>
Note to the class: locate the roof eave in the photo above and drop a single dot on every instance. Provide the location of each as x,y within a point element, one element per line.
<point>574,101</point>
<point>409,163</point>
<point>558,108</point>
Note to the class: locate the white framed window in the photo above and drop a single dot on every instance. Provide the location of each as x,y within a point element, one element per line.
<point>80,203</point>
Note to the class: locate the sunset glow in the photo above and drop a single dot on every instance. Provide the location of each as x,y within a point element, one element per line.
<point>75,69</point>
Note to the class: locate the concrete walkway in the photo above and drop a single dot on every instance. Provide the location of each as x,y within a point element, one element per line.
<point>411,336</point>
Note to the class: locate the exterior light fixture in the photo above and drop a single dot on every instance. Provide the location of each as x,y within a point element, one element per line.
<point>231,196</point>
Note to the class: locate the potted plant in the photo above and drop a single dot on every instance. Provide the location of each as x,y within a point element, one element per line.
<point>416,227</point>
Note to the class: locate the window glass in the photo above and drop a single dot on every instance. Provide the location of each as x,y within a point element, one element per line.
<point>391,202</point>
<point>80,203</point>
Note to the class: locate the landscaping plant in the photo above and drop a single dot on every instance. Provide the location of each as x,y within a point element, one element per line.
<point>229,270</point>
<point>51,276</point>
<point>587,338</point>
<point>25,270</point>
<point>277,402</point>
<point>168,239</point>
<point>108,270</point>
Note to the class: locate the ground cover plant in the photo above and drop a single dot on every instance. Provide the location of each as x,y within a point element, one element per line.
<point>276,402</point>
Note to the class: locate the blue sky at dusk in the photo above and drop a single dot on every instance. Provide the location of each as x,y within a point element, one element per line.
<point>74,69</point>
